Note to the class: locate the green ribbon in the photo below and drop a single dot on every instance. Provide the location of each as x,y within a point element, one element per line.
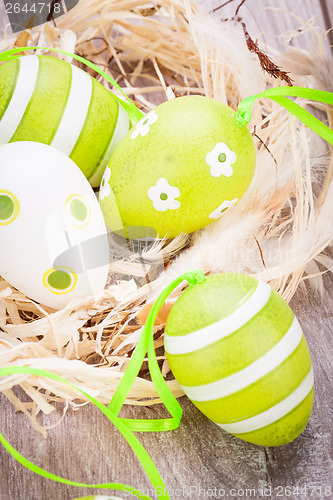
<point>125,426</point>
<point>147,342</point>
<point>243,115</point>
<point>133,112</point>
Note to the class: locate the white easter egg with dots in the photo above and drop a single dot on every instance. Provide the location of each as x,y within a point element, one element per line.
<point>54,244</point>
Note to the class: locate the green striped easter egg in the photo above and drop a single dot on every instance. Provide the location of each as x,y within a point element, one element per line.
<point>238,351</point>
<point>44,99</point>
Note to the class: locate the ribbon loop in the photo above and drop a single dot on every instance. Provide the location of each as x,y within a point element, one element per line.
<point>146,342</point>
<point>278,94</point>
<point>243,117</point>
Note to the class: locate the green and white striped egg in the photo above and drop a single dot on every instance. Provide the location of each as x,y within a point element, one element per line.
<point>44,99</point>
<point>238,351</point>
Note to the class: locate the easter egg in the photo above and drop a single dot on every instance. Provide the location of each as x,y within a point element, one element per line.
<point>238,351</point>
<point>182,167</point>
<point>54,244</point>
<point>47,100</point>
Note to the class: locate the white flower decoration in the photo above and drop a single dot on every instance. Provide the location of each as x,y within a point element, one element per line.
<point>220,160</point>
<point>223,208</point>
<point>105,189</point>
<point>143,126</point>
<point>164,196</point>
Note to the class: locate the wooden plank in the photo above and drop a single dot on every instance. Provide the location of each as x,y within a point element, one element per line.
<point>197,454</point>
<point>308,460</point>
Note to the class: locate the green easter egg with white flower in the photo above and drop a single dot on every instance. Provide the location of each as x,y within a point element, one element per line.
<point>238,351</point>
<point>180,168</point>
<point>47,100</point>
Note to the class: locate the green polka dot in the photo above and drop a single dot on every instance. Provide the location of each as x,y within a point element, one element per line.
<point>79,210</point>
<point>164,196</point>
<point>7,207</point>
<point>59,280</point>
<point>222,157</point>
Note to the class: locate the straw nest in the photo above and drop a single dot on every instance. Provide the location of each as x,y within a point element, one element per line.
<point>280,231</point>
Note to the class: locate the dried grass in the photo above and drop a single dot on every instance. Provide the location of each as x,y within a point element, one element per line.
<point>279,230</point>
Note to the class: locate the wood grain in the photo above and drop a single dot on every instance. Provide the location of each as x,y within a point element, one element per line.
<point>85,446</point>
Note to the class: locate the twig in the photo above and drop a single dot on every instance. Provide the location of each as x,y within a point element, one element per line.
<point>260,250</point>
<point>239,6</point>
<point>265,62</point>
<point>226,3</point>
<point>263,143</point>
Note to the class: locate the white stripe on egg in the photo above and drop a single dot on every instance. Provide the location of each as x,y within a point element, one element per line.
<point>21,97</point>
<point>275,412</point>
<point>122,127</point>
<point>75,113</point>
<point>253,372</point>
<point>205,336</point>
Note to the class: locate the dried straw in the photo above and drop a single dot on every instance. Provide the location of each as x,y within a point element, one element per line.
<point>279,231</point>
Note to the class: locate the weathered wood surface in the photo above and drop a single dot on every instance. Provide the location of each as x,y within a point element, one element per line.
<point>86,448</point>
